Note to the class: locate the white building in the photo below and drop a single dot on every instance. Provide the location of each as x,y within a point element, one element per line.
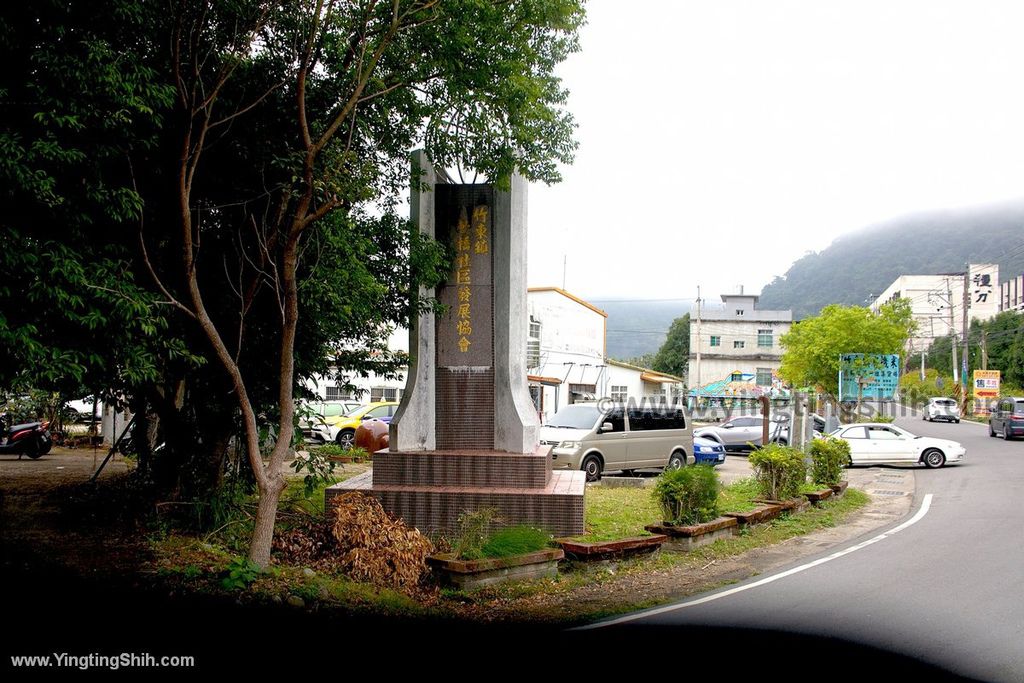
<point>567,356</point>
<point>1012,295</point>
<point>367,389</point>
<point>739,347</point>
<point>937,301</point>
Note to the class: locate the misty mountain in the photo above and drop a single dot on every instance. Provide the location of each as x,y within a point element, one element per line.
<point>638,327</point>
<point>862,264</point>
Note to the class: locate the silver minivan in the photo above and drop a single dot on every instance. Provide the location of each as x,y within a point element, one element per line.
<point>603,436</point>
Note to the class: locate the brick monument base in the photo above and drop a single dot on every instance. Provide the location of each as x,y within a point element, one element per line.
<point>430,489</point>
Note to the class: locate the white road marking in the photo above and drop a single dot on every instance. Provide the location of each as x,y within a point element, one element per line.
<point>925,504</point>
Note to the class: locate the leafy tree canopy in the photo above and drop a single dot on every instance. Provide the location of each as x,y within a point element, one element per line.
<point>673,356</point>
<point>812,347</point>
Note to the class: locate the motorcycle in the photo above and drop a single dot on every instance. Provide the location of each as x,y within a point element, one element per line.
<point>31,438</point>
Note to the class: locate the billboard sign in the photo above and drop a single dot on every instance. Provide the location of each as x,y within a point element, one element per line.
<point>878,374</point>
<point>986,390</point>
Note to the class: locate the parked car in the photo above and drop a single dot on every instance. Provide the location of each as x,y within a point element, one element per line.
<point>1007,419</point>
<point>941,408</point>
<point>707,452</point>
<point>324,414</point>
<point>745,433</point>
<point>881,443</point>
<point>594,439</point>
<point>80,410</point>
<point>344,431</point>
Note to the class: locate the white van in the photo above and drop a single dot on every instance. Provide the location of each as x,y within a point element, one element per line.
<point>603,436</point>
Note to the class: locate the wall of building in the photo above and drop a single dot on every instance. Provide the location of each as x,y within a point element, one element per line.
<point>570,348</point>
<point>937,301</point>
<point>1012,294</point>
<point>747,340</point>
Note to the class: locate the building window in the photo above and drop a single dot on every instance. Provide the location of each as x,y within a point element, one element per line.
<point>533,345</point>
<point>764,338</point>
<point>619,393</point>
<point>533,353</point>
<point>736,377</point>
<point>764,377</point>
<point>738,344</point>
<point>336,393</point>
<point>382,393</point>
<point>739,311</point>
<point>716,341</point>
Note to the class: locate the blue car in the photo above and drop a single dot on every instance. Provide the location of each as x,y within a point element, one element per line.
<point>708,452</point>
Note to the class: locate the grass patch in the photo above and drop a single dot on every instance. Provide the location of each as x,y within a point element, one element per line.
<point>614,513</point>
<point>826,515</point>
<point>513,540</point>
<point>737,496</point>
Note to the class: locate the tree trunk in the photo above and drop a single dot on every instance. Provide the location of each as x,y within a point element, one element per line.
<point>266,515</point>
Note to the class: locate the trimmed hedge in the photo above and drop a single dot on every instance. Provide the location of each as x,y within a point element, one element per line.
<point>828,458</point>
<point>779,471</point>
<point>688,495</point>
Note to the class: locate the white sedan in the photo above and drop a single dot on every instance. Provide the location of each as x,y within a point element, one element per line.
<point>880,443</point>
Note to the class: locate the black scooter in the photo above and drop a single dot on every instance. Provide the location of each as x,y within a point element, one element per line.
<point>31,438</point>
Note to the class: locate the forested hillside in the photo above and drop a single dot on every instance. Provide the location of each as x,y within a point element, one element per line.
<point>862,264</point>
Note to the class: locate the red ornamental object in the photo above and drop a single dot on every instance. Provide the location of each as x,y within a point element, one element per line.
<point>372,435</point>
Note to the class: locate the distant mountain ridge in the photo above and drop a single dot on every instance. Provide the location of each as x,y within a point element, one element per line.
<point>860,265</point>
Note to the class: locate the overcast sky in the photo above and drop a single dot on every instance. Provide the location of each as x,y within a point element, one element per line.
<point>720,140</point>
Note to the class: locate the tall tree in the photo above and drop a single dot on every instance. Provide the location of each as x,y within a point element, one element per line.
<point>360,84</point>
<point>674,355</point>
<point>812,347</point>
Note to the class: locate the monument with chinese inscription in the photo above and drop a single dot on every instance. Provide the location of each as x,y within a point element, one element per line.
<point>465,434</point>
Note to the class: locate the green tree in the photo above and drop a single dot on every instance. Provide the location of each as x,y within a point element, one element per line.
<point>361,84</point>
<point>674,355</point>
<point>811,349</point>
<point>235,174</point>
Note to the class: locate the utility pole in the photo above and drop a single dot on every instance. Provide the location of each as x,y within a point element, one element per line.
<point>984,349</point>
<point>952,328</point>
<point>967,305</point>
<point>922,363</point>
<point>696,405</point>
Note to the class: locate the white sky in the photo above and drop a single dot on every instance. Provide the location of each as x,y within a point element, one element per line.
<point>720,140</point>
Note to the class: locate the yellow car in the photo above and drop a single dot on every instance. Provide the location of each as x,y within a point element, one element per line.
<point>343,432</point>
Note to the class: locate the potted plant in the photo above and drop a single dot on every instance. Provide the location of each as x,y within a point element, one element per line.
<point>689,501</point>
<point>828,458</point>
<point>481,557</point>
<point>779,472</point>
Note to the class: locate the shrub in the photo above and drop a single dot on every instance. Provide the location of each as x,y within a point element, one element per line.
<point>779,471</point>
<point>688,495</point>
<point>828,458</point>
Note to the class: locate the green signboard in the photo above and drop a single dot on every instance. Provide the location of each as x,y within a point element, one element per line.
<point>878,374</point>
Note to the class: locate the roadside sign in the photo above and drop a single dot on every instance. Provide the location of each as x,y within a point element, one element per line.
<point>878,373</point>
<point>986,390</point>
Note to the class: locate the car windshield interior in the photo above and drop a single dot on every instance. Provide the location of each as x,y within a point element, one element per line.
<point>575,417</point>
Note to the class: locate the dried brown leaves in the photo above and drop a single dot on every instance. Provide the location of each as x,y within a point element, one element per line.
<point>373,546</point>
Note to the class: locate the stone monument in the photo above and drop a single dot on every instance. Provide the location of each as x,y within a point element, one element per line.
<point>465,434</point>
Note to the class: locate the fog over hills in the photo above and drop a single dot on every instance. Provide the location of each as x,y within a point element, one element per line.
<point>853,268</point>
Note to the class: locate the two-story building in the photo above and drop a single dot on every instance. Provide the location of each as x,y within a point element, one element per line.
<point>739,348</point>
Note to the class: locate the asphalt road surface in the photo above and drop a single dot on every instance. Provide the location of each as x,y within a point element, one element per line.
<point>944,587</point>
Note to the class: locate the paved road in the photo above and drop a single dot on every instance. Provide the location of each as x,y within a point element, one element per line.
<point>946,589</point>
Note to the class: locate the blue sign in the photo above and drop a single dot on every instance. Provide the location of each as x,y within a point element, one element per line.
<point>879,375</point>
